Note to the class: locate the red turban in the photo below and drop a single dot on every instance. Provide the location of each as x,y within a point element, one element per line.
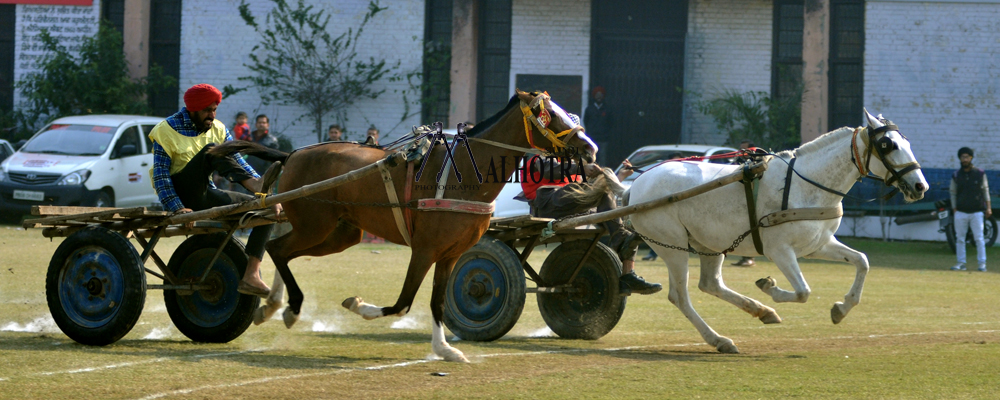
<point>200,96</point>
<point>592,92</point>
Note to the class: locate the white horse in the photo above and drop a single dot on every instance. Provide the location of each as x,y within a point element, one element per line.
<point>711,221</point>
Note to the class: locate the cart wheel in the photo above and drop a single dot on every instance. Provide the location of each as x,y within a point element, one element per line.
<point>485,294</point>
<point>594,307</point>
<point>95,286</point>
<point>219,314</point>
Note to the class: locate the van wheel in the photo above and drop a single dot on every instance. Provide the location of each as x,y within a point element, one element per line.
<point>103,199</point>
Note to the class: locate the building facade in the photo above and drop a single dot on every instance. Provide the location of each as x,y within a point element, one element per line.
<point>930,66</point>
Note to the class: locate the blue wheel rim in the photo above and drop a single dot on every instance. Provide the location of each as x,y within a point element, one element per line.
<point>210,307</point>
<point>480,291</point>
<point>91,286</point>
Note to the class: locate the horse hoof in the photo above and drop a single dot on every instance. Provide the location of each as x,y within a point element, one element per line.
<point>351,303</point>
<point>836,314</point>
<point>264,313</point>
<point>766,284</point>
<point>457,357</point>
<point>290,317</point>
<point>727,348</point>
<point>770,318</point>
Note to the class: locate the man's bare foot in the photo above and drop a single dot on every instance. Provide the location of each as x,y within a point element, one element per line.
<point>255,287</point>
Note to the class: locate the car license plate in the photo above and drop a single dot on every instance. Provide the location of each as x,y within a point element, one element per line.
<point>942,214</point>
<point>29,195</point>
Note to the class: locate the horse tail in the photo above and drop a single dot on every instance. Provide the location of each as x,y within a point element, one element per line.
<point>250,149</point>
<point>271,176</point>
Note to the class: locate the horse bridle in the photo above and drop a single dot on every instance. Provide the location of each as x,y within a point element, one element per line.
<point>880,148</point>
<point>541,122</point>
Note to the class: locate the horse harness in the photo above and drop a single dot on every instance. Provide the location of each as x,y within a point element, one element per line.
<point>882,147</point>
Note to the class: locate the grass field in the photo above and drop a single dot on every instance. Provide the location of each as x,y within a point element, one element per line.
<point>920,332</point>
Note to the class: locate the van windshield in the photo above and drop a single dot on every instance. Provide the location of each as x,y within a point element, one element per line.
<point>75,140</point>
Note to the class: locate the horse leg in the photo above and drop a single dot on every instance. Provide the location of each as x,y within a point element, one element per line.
<point>711,283</point>
<point>305,235</point>
<point>263,313</point>
<point>420,263</point>
<point>442,271</point>
<point>836,251</point>
<point>677,264</point>
<point>785,259</point>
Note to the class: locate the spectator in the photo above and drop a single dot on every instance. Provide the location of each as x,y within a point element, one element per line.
<point>241,131</point>
<point>597,118</point>
<point>372,136</point>
<point>262,135</point>
<point>970,203</point>
<point>335,133</point>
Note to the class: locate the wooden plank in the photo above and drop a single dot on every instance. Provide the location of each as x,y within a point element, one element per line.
<point>45,211</point>
<point>215,212</point>
<point>105,214</point>
<point>518,221</point>
<point>736,176</point>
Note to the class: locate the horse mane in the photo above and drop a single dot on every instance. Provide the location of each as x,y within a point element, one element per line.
<point>817,143</point>
<point>482,126</point>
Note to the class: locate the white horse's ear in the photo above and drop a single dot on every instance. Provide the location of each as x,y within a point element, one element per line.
<point>872,121</point>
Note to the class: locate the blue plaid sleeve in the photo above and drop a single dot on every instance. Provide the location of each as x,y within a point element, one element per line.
<point>161,180</point>
<point>239,160</point>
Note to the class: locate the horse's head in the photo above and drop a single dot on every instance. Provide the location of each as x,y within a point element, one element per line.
<point>898,166</point>
<point>554,130</point>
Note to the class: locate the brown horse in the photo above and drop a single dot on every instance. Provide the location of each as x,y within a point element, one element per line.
<point>321,227</point>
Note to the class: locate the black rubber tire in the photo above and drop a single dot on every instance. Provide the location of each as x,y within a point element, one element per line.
<point>989,234</point>
<point>216,315</point>
<point>115,281</point>
<point>103,199</point>
<point>593,311</point>
<point>485,295</point>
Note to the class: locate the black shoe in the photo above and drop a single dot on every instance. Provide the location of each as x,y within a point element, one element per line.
<point>632,283</point>
<point>744,262</point>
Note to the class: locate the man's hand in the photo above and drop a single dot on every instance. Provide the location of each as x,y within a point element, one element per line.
<point>626,170</point>
<point>185,210</point>
<point>277,209</point>
<point>592,170</point>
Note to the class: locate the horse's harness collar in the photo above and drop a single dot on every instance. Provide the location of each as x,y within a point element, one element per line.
<point>541,122</point>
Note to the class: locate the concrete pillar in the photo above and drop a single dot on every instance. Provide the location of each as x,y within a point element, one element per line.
<point>464,61</point>
<point>815,69</point>
<point>136,37</point>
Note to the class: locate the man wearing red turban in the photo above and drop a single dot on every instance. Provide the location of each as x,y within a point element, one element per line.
<point>182,167</point>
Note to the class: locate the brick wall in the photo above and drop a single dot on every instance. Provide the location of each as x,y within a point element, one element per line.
<point>933,68</point>
<point>551,38</point>
<point>728,48</point>
<point>215,43</point>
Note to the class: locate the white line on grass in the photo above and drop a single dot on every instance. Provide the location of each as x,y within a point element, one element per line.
<point>518,354</point>
<point>396,365</point>
<point>285,377</point>
<point>134,363</point>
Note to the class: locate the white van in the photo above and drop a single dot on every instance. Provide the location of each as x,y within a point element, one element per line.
<point>90,160</point>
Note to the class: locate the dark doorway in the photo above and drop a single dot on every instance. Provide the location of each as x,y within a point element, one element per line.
<point>8,18</point>
<point>847,50</point>
<point>165,52</point>
<point>113,11</point>
<point>637,56</point>
<point>436,94</point>
<point>493,81</point>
